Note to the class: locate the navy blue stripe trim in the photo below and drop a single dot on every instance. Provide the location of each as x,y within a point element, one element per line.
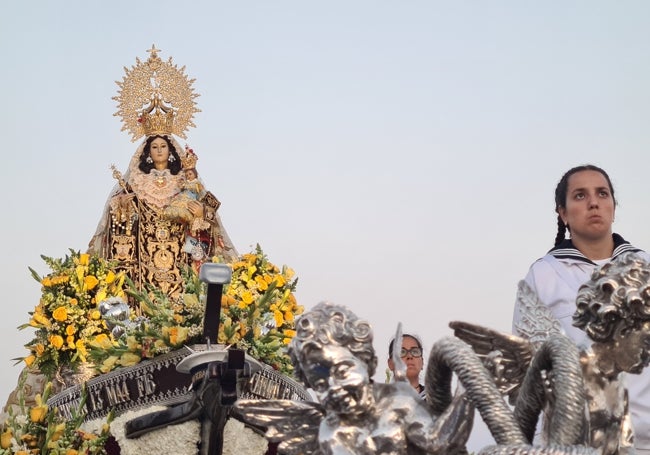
<point>566,250</point>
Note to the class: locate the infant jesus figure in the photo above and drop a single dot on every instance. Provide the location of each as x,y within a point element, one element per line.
<point>192,190</point>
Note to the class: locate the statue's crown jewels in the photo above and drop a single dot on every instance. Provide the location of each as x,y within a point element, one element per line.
<point>190,159</point>
<point>157,118</point>
<point>156,97</point>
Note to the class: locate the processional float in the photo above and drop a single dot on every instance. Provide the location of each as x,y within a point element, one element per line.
<point>176,251</point>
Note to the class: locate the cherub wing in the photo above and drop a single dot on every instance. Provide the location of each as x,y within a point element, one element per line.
<point>506,356</point>
<point>536,322</point>
<point>294,424</point>
<point>509,356</point>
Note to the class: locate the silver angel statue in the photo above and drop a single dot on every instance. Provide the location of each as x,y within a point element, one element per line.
<point>613,308</point>
<point>333,355</point>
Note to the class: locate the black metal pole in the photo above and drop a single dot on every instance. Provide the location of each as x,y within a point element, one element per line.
<point>215,275</point>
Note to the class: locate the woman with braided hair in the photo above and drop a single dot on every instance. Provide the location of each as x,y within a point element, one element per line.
<point>585,205</point>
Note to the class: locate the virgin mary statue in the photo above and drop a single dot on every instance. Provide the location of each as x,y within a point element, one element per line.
<point>159,219</point>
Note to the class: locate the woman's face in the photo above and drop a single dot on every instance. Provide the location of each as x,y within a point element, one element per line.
<point>413,363</point>
<point>589,207</point>
<point>159,151</point>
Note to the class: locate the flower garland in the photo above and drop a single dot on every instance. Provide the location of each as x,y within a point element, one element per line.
<point>67,315</point>
<point>258,310</point>
<point>257,315</point>
<point>40,430</point>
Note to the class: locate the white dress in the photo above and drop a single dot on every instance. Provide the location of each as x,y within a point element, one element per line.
<point>556,279</point>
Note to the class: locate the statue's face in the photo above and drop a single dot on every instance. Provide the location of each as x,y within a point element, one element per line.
<point>159,151</point>
<point>339,379</point>
<point>632,352</point>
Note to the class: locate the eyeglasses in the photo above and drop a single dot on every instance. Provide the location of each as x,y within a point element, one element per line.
<point>413,352</point>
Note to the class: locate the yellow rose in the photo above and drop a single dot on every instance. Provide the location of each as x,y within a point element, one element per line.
<point>70,330</point>
<point>29,360</point>
<point>262,285</point>
<point>74,301</point>
<point>247,297</point>
<point>288,316</point>
<point>58,432</point>
<point>132,343</point>
<point>84,259</point>
<point>95,315</point>
<point>56,341</point>
<point>37,414</point>
<point>101,295</point>
<point>110,277</point>
<point>102,341</point>
<point>70,341</point>
<point>71,452</point>
<point>108,364</point>
<point>90,282</point>
<point>279,281</point>
<point>128,359</point>
<point>181,334</point>
<point>227,300</point>
<point>5,439</point>
<point>279,318</point>
<point>60,314</point>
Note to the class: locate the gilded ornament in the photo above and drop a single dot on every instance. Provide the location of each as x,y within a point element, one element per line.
<point>156,97</point>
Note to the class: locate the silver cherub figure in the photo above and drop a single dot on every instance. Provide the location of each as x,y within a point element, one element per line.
<point>613,308</point>
<point>333,355</point>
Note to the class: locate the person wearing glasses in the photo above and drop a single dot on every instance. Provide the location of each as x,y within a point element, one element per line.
<point>411,354</point>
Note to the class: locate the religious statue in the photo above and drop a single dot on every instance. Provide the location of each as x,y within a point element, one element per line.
<point>613,308</point>
<point>333,355</point>
<point>159,218</point>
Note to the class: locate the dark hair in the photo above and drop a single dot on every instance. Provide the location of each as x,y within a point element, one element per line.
<point>174,166</point>
<point>404,335</point>
<point>561,194</point>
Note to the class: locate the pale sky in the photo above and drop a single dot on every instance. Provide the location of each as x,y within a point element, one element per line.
<point>400,156</point>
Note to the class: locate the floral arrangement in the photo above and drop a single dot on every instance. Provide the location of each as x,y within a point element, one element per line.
<point>258,309</point>
<point>41,430</point>
<point>257,315</point>
<point>67,315</point>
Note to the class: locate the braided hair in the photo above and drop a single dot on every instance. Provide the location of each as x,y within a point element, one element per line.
<point>561,195</point>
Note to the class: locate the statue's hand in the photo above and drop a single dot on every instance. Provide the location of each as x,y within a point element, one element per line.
<point>196,208</point>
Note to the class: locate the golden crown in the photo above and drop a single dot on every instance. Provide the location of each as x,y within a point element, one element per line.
<point>156,97</point>
<point>157,118</point>
<point>190,159</point>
